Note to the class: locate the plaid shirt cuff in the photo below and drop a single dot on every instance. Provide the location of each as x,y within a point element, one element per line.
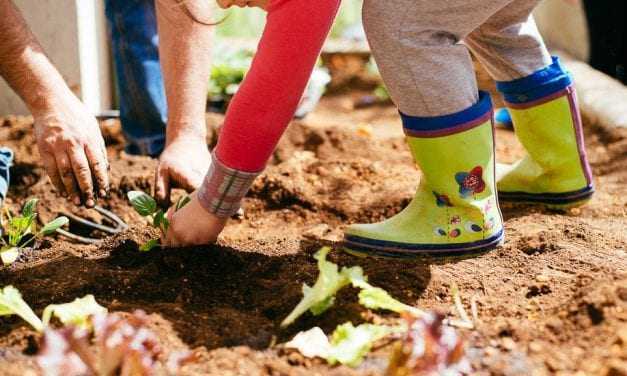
<point>224,188</point>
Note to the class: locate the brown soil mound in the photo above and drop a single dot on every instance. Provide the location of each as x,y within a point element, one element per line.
<point>551,300</point>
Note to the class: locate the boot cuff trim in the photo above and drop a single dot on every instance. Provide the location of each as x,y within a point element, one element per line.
<point>437,126</point>
<point>546,82</point>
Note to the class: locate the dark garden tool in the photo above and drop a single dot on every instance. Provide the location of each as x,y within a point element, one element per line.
<point>119,226</point>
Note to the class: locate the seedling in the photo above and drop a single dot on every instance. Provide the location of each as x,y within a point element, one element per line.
<point>146,206</point>
<point>120,345</point>
<point>429,343</point>
<point>73,313</point>
<point>321,296</point>
<point>21,231</point>
<point>348,344</point>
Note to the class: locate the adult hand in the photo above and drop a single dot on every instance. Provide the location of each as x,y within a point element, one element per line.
<point>192,225</point>
<point>224,4</point>
<point>72,149</point>
<point>183,164</point>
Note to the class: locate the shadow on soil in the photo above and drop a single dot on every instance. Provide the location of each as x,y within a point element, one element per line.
<point>213,296</point>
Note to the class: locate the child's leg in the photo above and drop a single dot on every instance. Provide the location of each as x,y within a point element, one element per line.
<point>541,100</point>
<point>509,44</point>
<point>416,46</point>
<point>448,125</point>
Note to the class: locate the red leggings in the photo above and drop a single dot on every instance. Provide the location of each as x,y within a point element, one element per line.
<point>269,95</point>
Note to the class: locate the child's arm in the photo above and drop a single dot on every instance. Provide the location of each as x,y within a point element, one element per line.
<point>258,115</point>
<point>269,96</point>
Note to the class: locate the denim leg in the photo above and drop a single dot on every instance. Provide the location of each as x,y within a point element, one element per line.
<point>143,110</point>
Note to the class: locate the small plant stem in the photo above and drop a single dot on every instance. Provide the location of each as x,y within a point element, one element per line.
<point>460,306</point>
<point>28,241</point>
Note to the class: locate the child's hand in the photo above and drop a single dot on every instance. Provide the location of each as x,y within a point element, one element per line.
<point>243,3</point>
<point>192,225</point>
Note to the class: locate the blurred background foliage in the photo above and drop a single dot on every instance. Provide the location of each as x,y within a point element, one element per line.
<point>249,22</point>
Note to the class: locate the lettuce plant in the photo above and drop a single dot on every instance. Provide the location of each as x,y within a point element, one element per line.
<point>11,303</point>
<point>21,231</point>
<point>348,345</point>
<point>121,345</point>
<point>321,296</point>
<point>429,348</point>
<point>331,279</point>
<point>146,206</point>
<point>76,312</point>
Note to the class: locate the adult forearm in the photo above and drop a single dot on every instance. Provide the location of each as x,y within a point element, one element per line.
<point>184,51</point>
<point>24,65</point>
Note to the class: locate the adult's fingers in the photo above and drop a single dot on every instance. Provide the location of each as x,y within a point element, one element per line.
<point>53,172</point>
<point>162,185</point>
<point>82,174</point>
<point>99,169</point>
<point>66,172</point>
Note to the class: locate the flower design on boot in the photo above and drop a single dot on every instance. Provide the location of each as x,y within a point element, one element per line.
<point>442,200</point>
<point>470,182</point>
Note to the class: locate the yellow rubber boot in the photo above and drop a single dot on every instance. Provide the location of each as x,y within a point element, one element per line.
<point>555,172</point>
<point>455,209</point>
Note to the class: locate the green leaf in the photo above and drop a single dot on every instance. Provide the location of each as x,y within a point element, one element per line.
<point>377,298</point>
<point>321,296</point>
<point>142,202</point>
<point>349,344</point>
<point>29,207</point>
<point>149,245</point>
<point>76,312</point>
<point>184,200</point>
<point>11,303</point>
<point>9,255</point>
<point>19,227</point>
<point>54,225</point>
<point>160,221</point>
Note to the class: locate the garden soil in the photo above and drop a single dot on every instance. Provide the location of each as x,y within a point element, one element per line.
<point>551,300</point>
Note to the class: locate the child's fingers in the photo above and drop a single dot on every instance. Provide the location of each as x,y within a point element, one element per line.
<point>224,3</point>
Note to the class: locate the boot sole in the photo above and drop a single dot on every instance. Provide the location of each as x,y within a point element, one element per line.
<point>557,201</point>
<point>359,246</point>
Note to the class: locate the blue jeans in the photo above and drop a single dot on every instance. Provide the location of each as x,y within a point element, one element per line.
<point>143,109</point>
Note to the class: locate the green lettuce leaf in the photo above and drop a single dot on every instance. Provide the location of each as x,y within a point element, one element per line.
<point>11,303</point>
<point>377,298</point>
<point>373,297</point>
<point>321,295</point>
<point>75,313</point>
<point>350,344</point>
